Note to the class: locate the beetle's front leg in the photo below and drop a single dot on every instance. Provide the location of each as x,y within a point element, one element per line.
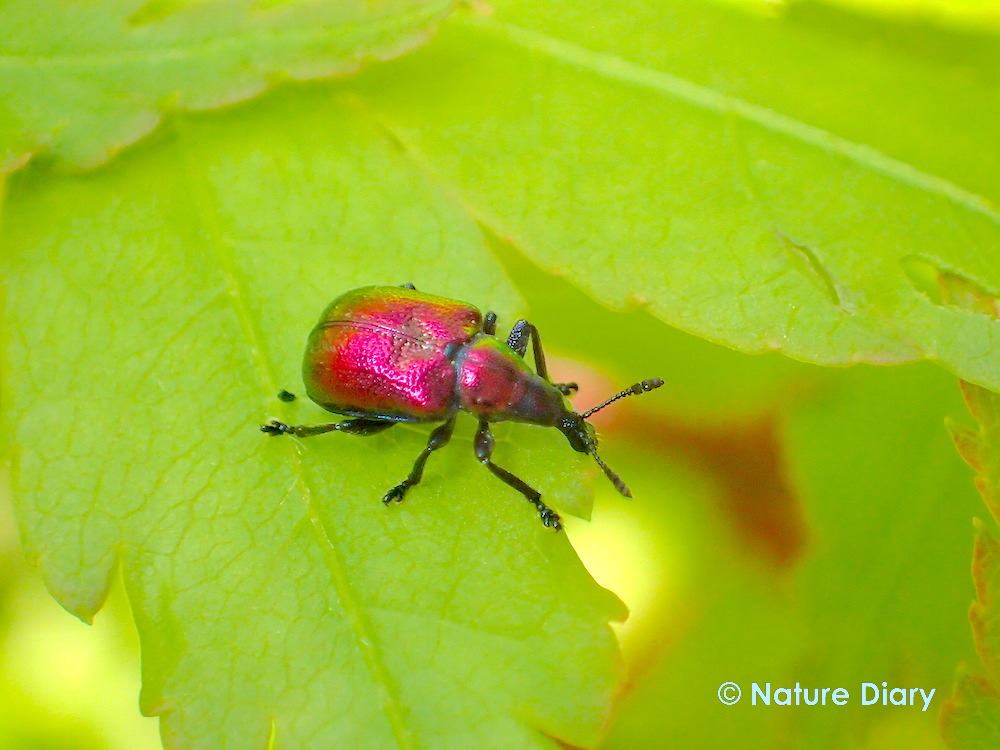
<point>359,426</point>
<point>518,341</point>
<point>438,439</point>
<point>484,451</point>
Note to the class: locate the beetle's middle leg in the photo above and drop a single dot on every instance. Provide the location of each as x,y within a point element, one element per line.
<point>438,439</point>
<point>518,341</point>
<point>484,451</point>
<point>358,426</point>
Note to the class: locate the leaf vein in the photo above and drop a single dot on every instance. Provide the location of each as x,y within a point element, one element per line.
<point>616,68</point>
<point>352,608</point>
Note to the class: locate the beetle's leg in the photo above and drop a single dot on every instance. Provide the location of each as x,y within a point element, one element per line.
<point>408,285</point>
<point>518,341</point>
<point>438,439</point>
<point>484,451</point>
<point>490,323</point>
<point>358,426</point>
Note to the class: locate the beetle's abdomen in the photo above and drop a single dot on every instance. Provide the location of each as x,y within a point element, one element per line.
<point>381,351</point>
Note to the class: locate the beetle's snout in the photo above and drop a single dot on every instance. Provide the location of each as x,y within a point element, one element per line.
<point>583,438</point>
<point>579,434</point>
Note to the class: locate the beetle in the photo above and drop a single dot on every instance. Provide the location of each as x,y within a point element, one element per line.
<point>382,355</point>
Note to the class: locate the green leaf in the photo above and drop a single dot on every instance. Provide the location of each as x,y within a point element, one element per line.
<point>707,384</point>
<point>745,223</point>
<point>81,81</point>
<point>153,311</point>
<point>971,719</point>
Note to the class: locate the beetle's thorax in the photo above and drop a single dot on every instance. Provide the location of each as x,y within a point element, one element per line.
<point>495,383</point>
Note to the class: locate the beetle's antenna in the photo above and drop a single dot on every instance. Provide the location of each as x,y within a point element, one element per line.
<point>634,390</point>
<point>612,476</point>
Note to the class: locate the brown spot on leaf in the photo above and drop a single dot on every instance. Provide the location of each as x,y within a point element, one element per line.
<point>744,457</point>
<point>747,460</point>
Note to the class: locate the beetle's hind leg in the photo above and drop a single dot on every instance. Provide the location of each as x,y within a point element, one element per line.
<point>438,439</point>
<point>358,426</point>
<point>484,451</point>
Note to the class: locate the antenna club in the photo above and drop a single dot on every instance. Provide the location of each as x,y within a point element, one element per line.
<point>645,386</point>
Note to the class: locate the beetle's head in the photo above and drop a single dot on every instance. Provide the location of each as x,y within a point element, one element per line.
<point>583,438</point>
<point>581,434</point>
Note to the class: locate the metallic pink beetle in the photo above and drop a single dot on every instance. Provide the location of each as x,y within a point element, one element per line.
<point>383,355</point>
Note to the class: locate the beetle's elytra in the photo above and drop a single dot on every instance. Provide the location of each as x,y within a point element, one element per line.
<point>382,355</point>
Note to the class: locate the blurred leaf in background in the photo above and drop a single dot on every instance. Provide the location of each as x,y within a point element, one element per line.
<point>966,14</point>
<point>62,684</point>
<point>971,719</point>
<point>91,78</point>
<point>811,180</point>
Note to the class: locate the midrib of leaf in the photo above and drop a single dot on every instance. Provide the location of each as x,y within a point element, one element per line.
<point>204,210</point>
<point>624,71</point>
<point>177,52</point>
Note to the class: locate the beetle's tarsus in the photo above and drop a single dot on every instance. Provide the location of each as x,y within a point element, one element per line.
<point>550,519</point>
<point>274,427</point>
<point>567,389</point>
<point>396,494</point>
<point>438,439</point>
<point>286,396</point>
